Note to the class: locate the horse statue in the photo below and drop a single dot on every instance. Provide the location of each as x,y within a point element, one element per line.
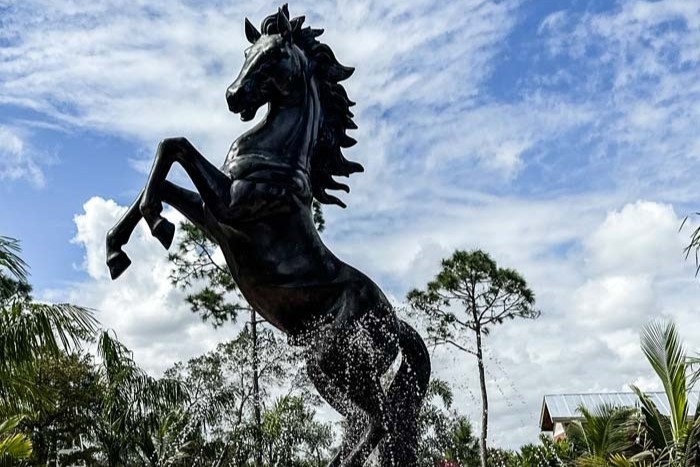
<point>258,208</point>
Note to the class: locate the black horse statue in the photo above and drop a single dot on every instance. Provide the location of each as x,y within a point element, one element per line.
<point>258,208</point>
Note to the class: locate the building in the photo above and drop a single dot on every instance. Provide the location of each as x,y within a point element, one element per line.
<point>559,410</point>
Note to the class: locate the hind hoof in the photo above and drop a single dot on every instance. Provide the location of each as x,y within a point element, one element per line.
<point>117,262</point>
<point>164,231</point>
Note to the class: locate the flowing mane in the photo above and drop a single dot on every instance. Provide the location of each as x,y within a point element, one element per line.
<point>327,159</point>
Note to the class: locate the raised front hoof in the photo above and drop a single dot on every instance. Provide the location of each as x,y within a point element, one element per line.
<point>117,263</point>
<point>164,231</point>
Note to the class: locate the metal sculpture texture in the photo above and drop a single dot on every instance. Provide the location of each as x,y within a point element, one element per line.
<point>257,208</point>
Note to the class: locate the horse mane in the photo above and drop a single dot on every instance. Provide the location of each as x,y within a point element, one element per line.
<point>327,159</point>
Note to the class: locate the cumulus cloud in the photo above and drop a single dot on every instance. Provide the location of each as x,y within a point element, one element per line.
<point>148,314</point>
<point>643,238</point>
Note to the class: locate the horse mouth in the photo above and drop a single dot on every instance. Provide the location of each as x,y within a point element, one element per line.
<point>248,114</point>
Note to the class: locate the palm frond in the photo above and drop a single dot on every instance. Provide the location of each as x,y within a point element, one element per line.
<point>662,346</point>
<point>29,330</point>
<point>10,259</point>
<point>13,446</point>
<point>619,460</point>
<point>606,430</point>
<point>655,423</point>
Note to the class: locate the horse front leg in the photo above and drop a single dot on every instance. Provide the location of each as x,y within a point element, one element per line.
<point>212,185</point>
<point>185,201</point>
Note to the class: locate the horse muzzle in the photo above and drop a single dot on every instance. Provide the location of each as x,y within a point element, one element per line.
<point>240,100</point>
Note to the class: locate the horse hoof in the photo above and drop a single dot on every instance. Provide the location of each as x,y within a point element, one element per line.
<point>164,231</point>
<point>117,263</point>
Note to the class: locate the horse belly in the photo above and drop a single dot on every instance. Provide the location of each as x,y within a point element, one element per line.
<point>295,310</point>
<point>285,274</point>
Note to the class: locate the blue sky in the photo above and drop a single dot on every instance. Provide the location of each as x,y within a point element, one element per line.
<point>559,136</point>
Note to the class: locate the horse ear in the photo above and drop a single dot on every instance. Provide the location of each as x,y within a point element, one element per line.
<point>251,33</point>
<point>297,22</point>
<point>284,26</point>
<point>285,10</point>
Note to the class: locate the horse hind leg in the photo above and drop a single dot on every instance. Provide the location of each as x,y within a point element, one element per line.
<point>353,363</point>
<point>355,419</point>
<point>405,397</point>
<point>371,399</point>
<point>365,432</point>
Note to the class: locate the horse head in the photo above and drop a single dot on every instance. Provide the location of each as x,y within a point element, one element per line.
<point>286,65</point>
<point>274,67</point>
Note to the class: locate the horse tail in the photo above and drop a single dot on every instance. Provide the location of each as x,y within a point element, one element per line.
<point>405,397</point>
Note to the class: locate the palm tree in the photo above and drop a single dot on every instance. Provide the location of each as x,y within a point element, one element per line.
<point>673,440</point>
<point>28,331</point>
<point>605,433</point>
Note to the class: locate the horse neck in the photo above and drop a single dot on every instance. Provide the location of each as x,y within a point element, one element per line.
<point>288,132</point>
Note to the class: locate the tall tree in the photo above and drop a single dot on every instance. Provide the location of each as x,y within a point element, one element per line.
<point>467,298</point>
<point>215,297</point>
<point>221,404</point>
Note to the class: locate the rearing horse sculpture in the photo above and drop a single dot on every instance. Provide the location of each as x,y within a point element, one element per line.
<point>257,208</point>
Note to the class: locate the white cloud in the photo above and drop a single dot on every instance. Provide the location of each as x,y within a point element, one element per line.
<point>17,160</point>
<point>160,69</point>
<point>637,64</point>
<point>643,237</point>
<point>614,301</point>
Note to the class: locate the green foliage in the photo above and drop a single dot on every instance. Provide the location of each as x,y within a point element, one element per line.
<point>220,381</point>
<point>292,436</point>
<point>14,446</point>
<point>10,259</point>
<point>29,331</point>
<point>217,299</point>
<point>169,443</point>
<point>221,404</point>
<point>548,453</point>
<point>442,433</point>
<point>72,384</point>
<point>471,292</point>
<point>133,403</point>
